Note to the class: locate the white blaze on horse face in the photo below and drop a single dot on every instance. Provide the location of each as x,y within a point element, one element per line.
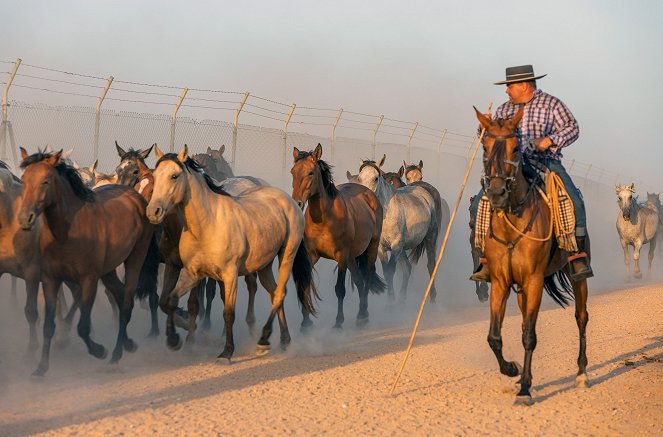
<point>169,188</point>
<point>368,177</point>
<point>143,183</point>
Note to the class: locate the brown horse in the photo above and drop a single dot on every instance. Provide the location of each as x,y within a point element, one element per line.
<point>519,253</point>
<point>85,235</point>
<point>343,223</point>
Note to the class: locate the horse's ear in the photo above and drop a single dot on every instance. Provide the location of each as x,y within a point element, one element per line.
<point>24,153</point>
<point>67,154</point>
<point>401,171</point>
<point>317,153</point>
<point>421,164</point>
<point>184,154</point>
<point>75,165</point>
<point>93,167</point>
<point>295,152</point>
<point>483,120</point>
<point>222,149</point>
<point>381,163</point>
<point>145,153</point>
<point>157,152</point>
<point>209,150</point>
<point>348,174</point>
<point>120,150</point>
<point>54,158</point>
<point>519,115</point>
<point>617,188</point>
<point>632,187</point>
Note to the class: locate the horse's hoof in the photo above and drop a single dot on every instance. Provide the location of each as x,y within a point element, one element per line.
<point>98,351</point>
<point>361,322</point>
<point>154,333</point>
<point>262,349</point>
<point>523,400</point>
<point>513,369</point>
<point>306,328</point>
<point>130,345</point>
<point>174,342</point>
<point>284,345</point>
<point>637,275</point>
<point>227,353</point>
<point>40,372</point>
<point>338,327</point>
<point>181,320</point>
<point>582,381</point>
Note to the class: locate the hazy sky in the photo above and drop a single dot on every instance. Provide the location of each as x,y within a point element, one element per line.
<point>428,61</point>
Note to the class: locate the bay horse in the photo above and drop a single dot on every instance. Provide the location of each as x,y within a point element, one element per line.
<point>520,254</point>
<point>410,223</point>
<point>19,250</point>
<point>226,236</point>
<point>343,223</point>
<point>636,225</point>
<point>85,235</point>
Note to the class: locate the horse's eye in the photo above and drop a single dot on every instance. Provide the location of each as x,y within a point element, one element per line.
<point>45,182</point>
<point>175,176</point>
<point>376,179</point>
<point>310,173</point>
<point>136,171</point>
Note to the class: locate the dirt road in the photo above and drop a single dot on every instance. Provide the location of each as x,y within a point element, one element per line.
<point>338,383</point>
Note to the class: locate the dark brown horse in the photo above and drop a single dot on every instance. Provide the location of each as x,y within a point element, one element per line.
<point>85,235</point>
<point>343,224</point>
<point>519,252</point>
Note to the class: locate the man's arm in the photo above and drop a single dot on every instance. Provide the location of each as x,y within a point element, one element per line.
<point>565,126</point>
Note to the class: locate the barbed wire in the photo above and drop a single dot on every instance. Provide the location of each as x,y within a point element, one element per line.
<point>63,72</point>
<point>270,101</point>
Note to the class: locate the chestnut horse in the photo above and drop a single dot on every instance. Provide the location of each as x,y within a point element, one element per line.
<point>85,235</point>
<point>519,253</point>
<point>343,223</point>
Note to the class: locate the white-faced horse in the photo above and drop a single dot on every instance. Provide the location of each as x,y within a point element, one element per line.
<point>637,225</point>
<point>410,223</point>
<point>226,236</point>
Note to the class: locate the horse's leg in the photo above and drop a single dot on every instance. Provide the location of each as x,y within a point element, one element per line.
<point>62,334</point>
<point>31,312</point>
<point>406,265</point>
<point>51,287</point>
<point>499,293</point>
<point>88,293</point>
<point>652,248</point>
<point>14,296</point>
<point>340,293</point>
<point>154,314</point>
<point>210,292</point>
<point>532,290</point>
<point>113,304</point>
<point>193,307</point>
<point>269,283</point>
<point>582,317</point>
<point>306,321</point>
<point>252,285</point>
<point>389,268</point>
<point>431,252</point>
<point>200,289</point>
<point>169,303</point>
<point>230,285</point>
<point>636,259</point>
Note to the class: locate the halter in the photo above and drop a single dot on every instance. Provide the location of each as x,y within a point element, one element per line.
<point>510,180</point>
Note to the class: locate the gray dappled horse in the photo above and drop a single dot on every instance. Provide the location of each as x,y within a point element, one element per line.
<point>637,225</point>
<point>654,199</point>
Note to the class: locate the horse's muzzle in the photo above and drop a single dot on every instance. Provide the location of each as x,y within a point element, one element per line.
<point>27,219</point>
<point>155,214</point>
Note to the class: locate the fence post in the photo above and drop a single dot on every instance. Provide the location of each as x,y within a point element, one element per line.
<point>233,153</point>
<point>333,132</point>
<point>285,138</point>
<point>409,140</point>
<point>571,166</point>
<point>173,119</point>
<point>5,119</point>
<point>439,154</point>
<point>588,170</point>
<point>469,147</point>
<point>98,117</point>
<point>375,133</point>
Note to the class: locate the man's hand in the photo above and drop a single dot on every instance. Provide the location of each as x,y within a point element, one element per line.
<point>543,144</point>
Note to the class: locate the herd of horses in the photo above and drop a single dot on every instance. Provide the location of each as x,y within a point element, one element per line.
<point>65,224</point>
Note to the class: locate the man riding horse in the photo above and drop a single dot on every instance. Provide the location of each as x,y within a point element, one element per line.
<point>546,127</point>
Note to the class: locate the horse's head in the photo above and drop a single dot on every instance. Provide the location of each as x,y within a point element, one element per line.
<point>625,195</point>
<point>214,163</point>
<point>87,174</point>
<point>413,171</point>
<point>39,185</point>
<point>351,177</point>
<point>311,176</point>
<point>501,157</point>
<point>394,178</point>
<point>654,199</point>
<point>132,162</point>
<point>170,183</point>
<point>370,173</point>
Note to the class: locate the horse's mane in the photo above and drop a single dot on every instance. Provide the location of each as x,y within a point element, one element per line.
<point>325,172</point>
<point>132,153</point>
<point>6,167</point>
<point>189,165</point>
<point>67,172</point>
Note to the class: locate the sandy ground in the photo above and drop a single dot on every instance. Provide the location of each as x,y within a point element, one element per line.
<point>338,382</point>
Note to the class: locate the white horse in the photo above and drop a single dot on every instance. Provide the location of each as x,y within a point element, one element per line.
<point>637,225</point>
<point>226,236</point>
<point>410,223</point>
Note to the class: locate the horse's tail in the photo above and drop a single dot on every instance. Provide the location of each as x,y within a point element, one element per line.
<point>561,290</point>
<point>147,280</point>
<point>433,231</point>
<point>302,274</point>
<point>444,215</point>
<point>373,282</point>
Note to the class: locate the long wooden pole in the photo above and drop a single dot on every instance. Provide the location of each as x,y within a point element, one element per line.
<point>439,258</point>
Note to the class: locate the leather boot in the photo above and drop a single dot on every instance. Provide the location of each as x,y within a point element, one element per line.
<point>579,267</point>
<point>482,273</point>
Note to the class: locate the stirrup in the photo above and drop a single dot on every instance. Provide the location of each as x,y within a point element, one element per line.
<point>482,273</point>
<point>579,268</point>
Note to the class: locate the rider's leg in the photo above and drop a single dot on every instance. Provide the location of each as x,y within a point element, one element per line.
<point>579,261</point>
<point>482,273</point>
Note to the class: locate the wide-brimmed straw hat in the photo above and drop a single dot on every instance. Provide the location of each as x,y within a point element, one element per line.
<point>522,73</point>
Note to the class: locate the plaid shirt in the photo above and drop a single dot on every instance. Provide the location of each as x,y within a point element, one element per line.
<point>545,116</point>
